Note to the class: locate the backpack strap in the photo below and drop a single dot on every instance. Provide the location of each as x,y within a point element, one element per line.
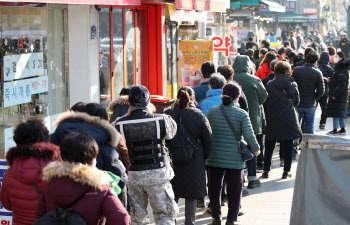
<point>182,119</point>
<point>37,189</point>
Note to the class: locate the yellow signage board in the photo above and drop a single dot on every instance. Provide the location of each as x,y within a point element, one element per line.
<point>192,54</point>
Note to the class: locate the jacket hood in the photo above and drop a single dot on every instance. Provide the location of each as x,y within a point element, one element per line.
<point>68,181</point>
<point>324,58</point>
<point>343,64</point>
<point>99,129</point>
<point>214,92</point>
<point>121,100</point>
<point>241,64</point>
<point>40,150</point>
<point>282,81</point>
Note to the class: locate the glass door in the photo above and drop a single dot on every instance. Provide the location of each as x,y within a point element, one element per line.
<point>171,46</point>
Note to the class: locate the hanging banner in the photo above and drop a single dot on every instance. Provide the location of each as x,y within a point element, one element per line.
<point>23,66</point>
<point>21,91</point>
<point>192,54</point>
<point>5,215</point>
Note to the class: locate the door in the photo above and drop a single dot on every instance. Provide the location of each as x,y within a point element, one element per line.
<point>171,47</point>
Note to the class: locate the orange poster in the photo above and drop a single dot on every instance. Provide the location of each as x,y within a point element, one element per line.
<point>192,54</point>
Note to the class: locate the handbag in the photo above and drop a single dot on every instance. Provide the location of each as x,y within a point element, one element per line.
<point>244,149</point>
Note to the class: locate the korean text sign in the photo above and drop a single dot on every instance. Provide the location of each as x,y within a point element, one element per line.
<point>192,54</point>
<point>23,66</point>
<point>19,92</point>
<point>5,215</point>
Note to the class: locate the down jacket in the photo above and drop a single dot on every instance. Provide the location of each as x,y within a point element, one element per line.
<point>105,135</point>
<point>338,88</point>
<point>310,85</point>
<point>263,71</point>
<point>118,107</point>
<point>224,152</point>
<point>190,179</point>
<point>281,117</point>
<point>326,69</point>
<point>68,181</point>
<point>253,89</point>
<point>26,163</point>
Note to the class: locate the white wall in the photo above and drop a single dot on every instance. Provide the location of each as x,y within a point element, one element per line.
<point>83,55</point>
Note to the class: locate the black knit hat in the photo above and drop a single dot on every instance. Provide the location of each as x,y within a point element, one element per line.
<point>139,96</point>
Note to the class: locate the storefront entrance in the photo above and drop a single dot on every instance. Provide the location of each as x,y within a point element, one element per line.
<point>123,49</point>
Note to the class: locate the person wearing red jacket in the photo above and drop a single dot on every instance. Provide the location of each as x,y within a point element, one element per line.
<point>77,183</point>
<point>26,162</point>
<point>264,68</point>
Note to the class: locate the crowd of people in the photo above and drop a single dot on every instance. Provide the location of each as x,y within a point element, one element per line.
<point>107,166</point>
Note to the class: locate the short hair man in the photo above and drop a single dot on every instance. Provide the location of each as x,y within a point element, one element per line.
<point>251,44</point>
<point>207,69</point>
<point>311,43</point>
<point>311,88</point>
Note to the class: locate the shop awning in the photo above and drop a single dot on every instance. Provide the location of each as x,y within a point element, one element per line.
<point>288,17</point>
<point>208,5</point>
<point>86,2</point>
<point>273,6</point>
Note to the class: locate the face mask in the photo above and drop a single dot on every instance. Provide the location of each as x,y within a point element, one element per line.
<point>308,44</point>
<point>336,60</point>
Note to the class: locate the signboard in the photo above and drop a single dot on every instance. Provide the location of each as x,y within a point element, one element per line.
<point>291,6</point>
<point>23,65</point>
<point>21,91</point>
<point>192,54</point>
<point>226,45</point>
<point>5,215</point>
<point>310,11</point>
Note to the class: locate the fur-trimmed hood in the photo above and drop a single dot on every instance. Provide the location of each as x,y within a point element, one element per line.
<point>77,172</point>
<point>343,64</point>
<point>98,128</point>
<point>121,100</point>
<point>40,150</point>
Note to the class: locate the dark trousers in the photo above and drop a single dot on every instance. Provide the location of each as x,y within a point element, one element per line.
<point>323,104</point>
<point>287,146</point>
<point>260,159</point>
<point>234,180</point>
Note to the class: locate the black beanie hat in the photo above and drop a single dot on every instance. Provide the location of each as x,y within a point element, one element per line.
<point>139,96</point>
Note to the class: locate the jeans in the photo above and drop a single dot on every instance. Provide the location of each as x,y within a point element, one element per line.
<point>309,116</point>
<point>190,211</point>
<point>234,179</point>
<point>323,104</point>
<point>260,159</point>
<point>338,121</point>
<point>287,146</point>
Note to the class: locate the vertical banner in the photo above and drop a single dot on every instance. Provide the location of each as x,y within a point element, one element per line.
<point>5,215</point>
<point>192,54</point>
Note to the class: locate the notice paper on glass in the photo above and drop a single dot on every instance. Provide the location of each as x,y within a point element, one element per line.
<point>23,65</point>
<point>21,91</point>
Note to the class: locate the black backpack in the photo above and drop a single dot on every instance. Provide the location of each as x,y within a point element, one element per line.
<point>183,145</point>
<point>61,216</point>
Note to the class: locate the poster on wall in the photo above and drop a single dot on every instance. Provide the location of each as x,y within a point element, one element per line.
<point>5,215</point>
<point>192,54</point>
<point>23,66</point>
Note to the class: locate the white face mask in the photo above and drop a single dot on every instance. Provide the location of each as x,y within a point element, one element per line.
<point>336,60</point>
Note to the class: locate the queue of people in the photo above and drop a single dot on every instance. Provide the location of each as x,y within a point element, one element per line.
<point>99,167</point>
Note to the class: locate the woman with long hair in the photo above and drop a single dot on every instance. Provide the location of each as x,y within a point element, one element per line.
<point>264,68</point>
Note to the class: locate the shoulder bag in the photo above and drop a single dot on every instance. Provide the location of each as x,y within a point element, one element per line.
<point>244,149</point>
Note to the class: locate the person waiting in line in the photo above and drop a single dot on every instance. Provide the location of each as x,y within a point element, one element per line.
<point>266,44</point>
<point>262,53</point>
<point>296,60</point>
<point>264,68</point>
<point>207,69</point>
<point>338,93</point>
<point>282,122</point>
<point>286,44</point>
<point>225,161</point>
<point>189,181</point>
<point>331,50</point>
<point>327,70</point>
<point>281,53</point>
<point>344,45</point>
<point>251,44</point>
<point>120,106</point>
<point>26,161</point>
<point>311,87</point>
<point>76,179</point>
<point>311,43</point>
<point>306,52</point>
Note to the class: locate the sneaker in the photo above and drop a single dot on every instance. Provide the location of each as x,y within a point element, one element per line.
<point>342,131</point>
<point>333,132</point>
<point>265,175</point>
<point>254,184</point>
<point>282,163</point>
<point>322,126</point>
<point>200,203</point>
<point>286,175</point>
<point>216,222</point>
<point>245,193</point>
<point>259,169</point>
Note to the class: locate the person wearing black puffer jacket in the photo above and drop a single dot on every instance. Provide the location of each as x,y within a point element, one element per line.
<point>311,88</point>
<point>281,118</point>
<point>338,93</point>
<point>327,70</point>
<point>190,180</point>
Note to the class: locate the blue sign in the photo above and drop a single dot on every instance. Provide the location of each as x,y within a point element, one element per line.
<point>93,32</point>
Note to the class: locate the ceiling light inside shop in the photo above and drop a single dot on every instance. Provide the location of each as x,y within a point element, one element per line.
<point>191,16</point>
<point>178,16</point>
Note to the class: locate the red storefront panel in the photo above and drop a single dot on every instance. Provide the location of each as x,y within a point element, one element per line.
<point>89,2</point>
